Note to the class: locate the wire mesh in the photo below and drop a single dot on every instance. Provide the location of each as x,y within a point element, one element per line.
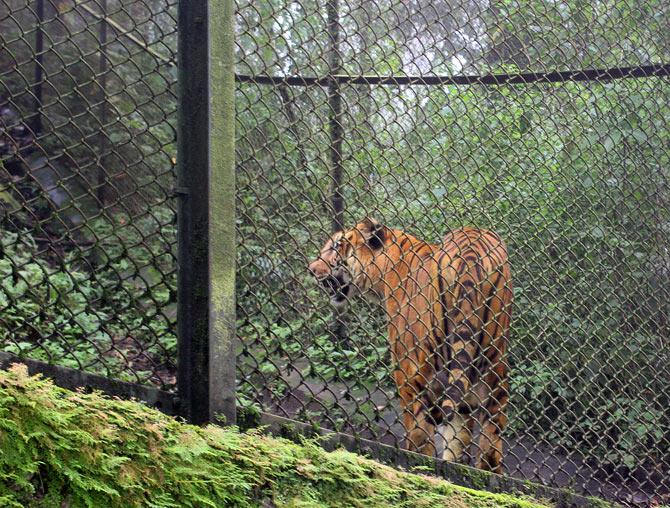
<point>87,108</point>
<point>573,176</point>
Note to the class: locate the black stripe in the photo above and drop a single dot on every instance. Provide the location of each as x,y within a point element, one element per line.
<point>497,397</point>
<point>479,268</point>
<point>443,295</point>
<point>470,257</point>
<point>436,386</point>
<point>443,349</point>
<point>462,359</point>
<point>434,343</point>
<point>494,283</point>
<point>488,243</point>
<point>421,248</point>
<point>467,294</point>
<point>456,392</point>
<point>462,243</point>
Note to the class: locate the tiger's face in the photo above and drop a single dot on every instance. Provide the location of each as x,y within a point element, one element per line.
<point>349,262</point>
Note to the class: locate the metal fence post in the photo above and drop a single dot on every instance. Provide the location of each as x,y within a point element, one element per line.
<point>335,134</point>
<point>36,123</point>
<point>206,314</point>
<point>335,114</point>
<point>103,68</point>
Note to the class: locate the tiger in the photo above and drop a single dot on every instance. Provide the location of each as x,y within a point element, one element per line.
<point>448,308</point>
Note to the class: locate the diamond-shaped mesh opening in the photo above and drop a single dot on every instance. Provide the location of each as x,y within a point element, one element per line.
<point>573,176</point>
<point>87,113</point>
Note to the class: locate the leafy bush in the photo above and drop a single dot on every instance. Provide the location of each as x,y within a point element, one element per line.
<point>119,314</point>
<point>569,175</point>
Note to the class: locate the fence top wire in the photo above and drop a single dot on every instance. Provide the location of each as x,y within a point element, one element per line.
<point>640,71</point>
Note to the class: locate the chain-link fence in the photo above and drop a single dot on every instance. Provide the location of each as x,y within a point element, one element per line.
<point>546,122</point>
<point>429,116</point>
<point>88,258</point>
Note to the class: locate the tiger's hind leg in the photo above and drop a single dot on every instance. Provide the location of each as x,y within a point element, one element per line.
<point>494,420</point>
<point>493,412</point>
<point>457,435</point>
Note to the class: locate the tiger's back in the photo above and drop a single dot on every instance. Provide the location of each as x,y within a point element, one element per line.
<point>475,268</point>
<point>448,329</point>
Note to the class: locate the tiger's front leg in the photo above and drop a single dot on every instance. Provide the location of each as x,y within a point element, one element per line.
<point>420,428</point>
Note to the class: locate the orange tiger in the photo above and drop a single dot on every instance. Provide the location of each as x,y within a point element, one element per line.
<point>449,309</point>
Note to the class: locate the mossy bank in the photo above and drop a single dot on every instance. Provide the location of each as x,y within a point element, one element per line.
<point>62,448</point>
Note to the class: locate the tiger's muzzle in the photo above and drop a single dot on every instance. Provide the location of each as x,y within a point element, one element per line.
<point>336,280</point>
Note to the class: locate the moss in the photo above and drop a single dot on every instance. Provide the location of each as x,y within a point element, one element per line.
<point>62,448</point>
<point>595,502</point>
<point>477,478</point>
<point>248,417</point>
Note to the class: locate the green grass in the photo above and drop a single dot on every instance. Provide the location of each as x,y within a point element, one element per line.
<point>62,448</point>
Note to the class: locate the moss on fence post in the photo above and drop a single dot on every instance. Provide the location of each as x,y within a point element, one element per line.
<point>222,243</point>
<point>206,156</point>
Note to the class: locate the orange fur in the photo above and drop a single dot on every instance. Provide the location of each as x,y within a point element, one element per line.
<point>449,308</point>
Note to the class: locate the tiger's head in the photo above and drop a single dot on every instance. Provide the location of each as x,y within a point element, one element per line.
<point>350,261</point>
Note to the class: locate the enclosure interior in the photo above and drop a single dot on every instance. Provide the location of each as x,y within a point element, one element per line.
<point>572,175</point>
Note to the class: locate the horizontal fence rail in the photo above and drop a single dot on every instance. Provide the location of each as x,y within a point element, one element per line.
<point>642,71</point>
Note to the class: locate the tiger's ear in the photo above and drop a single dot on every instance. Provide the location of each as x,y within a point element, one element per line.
<point>373,232</point>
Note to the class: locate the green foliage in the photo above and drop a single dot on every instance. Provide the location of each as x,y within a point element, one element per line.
<point>87,229</point>
<point>48,306</point>
<point>83,450</point>
<point>61,311</point>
